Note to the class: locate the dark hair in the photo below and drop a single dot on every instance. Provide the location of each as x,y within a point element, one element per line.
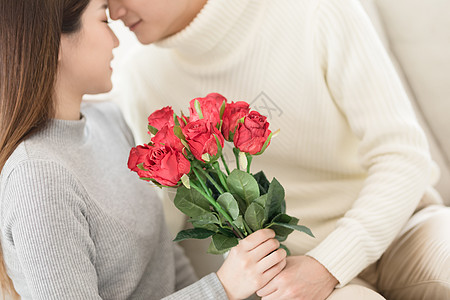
<point>30,34</point>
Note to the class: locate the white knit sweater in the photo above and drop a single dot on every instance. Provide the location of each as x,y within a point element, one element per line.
<point>351,155</point>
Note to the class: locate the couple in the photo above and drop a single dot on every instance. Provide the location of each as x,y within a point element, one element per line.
<point>76,224</point>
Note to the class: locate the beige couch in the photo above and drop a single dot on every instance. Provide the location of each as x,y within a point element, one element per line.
<point>417,35</point>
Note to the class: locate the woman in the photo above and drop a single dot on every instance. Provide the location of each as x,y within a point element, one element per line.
<point>75,223</point>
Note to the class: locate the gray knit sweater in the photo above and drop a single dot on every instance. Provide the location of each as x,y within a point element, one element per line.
<point>77,224</point>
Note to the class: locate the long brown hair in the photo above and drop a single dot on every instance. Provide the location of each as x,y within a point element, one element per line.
<point>30,34</point>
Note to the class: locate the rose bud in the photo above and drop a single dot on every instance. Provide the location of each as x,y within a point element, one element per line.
<point>161,117</point>
<point>209,106</point>
<point>231,115</point>
<point>200,136</point>
<point>167,137</point>
<point>251,135</point>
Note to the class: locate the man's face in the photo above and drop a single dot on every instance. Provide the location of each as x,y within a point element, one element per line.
<point>153,20</point>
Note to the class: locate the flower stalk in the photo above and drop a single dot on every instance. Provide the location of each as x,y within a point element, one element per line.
<point>222,178</point>
<point>205,188</point>
<point>218,208</point>
<point>216,185</point>
<point>225,164</point>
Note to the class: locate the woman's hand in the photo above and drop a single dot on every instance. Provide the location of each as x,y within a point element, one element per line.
<point>252,264</point>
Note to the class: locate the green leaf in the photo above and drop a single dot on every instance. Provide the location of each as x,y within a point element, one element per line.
<point>183,117</point>
<point>275,198</point>
<point>194,233</point>
<point>198,109</point>
<point>300,228</point>
<point>226,231</point>
<point>282,232</point>
<point>179,133</point>
<point>243,185</point>
<point>261,200</point>
<point>155,182</point>
<point>283,207</point>
<point>284,218</point>
<point>153,130</point>
<point>141,166</point>
<point>227,201</point>
<point>222,109</point>
<point>263,183</point>
<point>191,202</point>
<point>185,144</point>
<point>208,218</point>
<point>254,216</point>
<point>175,120</point>
<point>239,222</point>
<point>266,143</point>
<point>210,227</point>
<point>285,248</point>
<point>222,242</point>
<point>212,249</point>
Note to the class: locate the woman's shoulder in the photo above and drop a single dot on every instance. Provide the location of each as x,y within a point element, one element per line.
<point>39,181</point>
<point>25,164</point>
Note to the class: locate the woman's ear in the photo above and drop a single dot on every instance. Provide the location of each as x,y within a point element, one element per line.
<point>62,45</point>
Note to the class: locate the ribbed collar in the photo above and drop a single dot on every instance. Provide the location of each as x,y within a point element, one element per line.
<point>66,132</point>
<point>218,28</point>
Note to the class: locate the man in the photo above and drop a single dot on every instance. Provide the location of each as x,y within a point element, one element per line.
<point>351,156</point>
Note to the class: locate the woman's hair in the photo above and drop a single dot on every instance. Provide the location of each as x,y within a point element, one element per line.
<point>30,34</point>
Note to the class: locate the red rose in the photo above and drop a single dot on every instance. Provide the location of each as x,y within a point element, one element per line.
<point>231,115</point>
<point>200,138</point>
<point>218,98</point>
<point>163,163</point>
<point>166,165</point>
<point>251,135</point>
<point>210,107</point>
<point>137,156</point>
<point>167,137</point>
<point>161,117</point>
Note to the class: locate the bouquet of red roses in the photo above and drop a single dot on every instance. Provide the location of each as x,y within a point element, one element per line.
<point>184,153</point>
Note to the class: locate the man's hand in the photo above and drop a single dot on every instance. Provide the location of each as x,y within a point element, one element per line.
<point>303,278</point>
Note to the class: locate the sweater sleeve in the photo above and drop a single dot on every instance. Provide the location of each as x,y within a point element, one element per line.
<point>184,272</point>
<point>209,287</point>
<point>45,234</point>
<point>393,149</point>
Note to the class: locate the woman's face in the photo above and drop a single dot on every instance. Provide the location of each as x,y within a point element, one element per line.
<point>85,56</point>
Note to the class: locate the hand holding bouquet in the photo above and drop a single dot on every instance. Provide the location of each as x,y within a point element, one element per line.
<point>184,153</point>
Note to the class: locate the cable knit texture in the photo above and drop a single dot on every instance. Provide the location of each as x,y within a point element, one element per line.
<point>77,224</point>
<point>351,155</point>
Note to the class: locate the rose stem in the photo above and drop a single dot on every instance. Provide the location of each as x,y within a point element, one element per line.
<point>225,164</point>
<point>210,179</point>
<point>216,206</point>
<point>249,162</point>
<point>205,188</point>
<point>221,175</point>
